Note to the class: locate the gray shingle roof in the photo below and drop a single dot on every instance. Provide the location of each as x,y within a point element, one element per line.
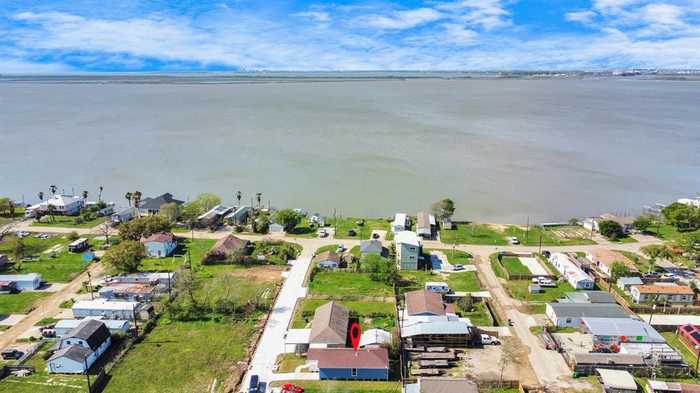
<point>92,331</point>
<point>73,352</point>
<point>157,202</point>
<point>596,310</point>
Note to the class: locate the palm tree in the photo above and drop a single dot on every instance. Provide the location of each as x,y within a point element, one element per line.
<point>137,200</point>
<point>41,195</point>
<point>85,195</point>
<point>99,196</point>
<point>53,189</point>
<point>128,197</point>
<point>258,197</point>
<point>51,208</point>
<point>239,195</point>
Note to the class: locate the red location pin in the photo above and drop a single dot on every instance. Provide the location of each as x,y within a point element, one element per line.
<point>355,335</point>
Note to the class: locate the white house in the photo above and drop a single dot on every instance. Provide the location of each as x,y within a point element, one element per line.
<point>695,202</point>
<point>408,250</point>
<point>79,349</point>
<point>106,309</point>
<point>400,223</point>
<point>23,281</point>
<point>66,205</point>
<point>662,294</point>
<point>571,272</point>
<point>115,326</point>
<point>571,314</point>
<point>276,228</point>
<point>438,287</point>
<point>124,215</point>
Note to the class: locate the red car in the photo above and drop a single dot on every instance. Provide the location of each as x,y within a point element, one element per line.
<point>289,388</point>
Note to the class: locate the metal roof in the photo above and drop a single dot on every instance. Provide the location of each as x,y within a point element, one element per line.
<point>635,330</point>
<point>617,379</point>
<point>592,310</point>
<point>436,327</point>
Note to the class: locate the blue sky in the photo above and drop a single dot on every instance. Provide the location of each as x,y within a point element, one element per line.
<point>163,35</point>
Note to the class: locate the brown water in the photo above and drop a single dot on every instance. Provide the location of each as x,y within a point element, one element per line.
<point>502,149</point>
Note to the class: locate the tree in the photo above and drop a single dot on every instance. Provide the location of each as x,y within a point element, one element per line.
<point>258,197</point>
<point>6,207</point>
<point>41,195</point>
<point>171,211</point>
<point>137,198</point>
<point>144,227</point>
<point>99,195</point>
<point>683,217</point>
<point>643,222</point>
<point>261,224</point>
<point>207,201</point>
<point>443,209</point>
<point>18,249</point>
<point>379,269</point>
<point>73,235</point>
<point>128,196</point>
<point>85,194</point>
<point>239,195</point>
<point>51,210</point>
<point>611,229</point>
<point>654,251</point>
<point>573,221</point>
<point>53,189</point>
<point>288,218</point>
<point>617,270</point>
<point>189,213</point>
<point>125,257</point>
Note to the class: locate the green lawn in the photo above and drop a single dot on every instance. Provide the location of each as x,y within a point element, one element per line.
<point>472,234</point>
<point>330,247</point>
<point>415,280</point>
<point>639,261</point>
<point>61,266</point>
<point>182,357</point>
<point>518,290</point>
<point>304,229</point>
<point>673,340</point>
<point>464,281</point>
<point>371,314</point>
<point>666,232</point>
<point>455,257</point>
<point>19,303</point>
<point>549,238</point>
<point>514,266</point>
<point>33,246</point>
<point>41,381</point>
<point>347,284</point>
<point>288,362</point>
<point>197,248</point>
<point>346,386</point>
<point>67,221</point>
<point>479,316</point>
<point>363,231</point>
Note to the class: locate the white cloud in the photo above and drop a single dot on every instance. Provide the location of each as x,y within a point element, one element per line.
<point>19,66</point>
<point>663,14</point>
<point>584,17</point>
<point>458,34</point>
<point>318,16</point>
<point>488,14</point>
<point>400,20</point>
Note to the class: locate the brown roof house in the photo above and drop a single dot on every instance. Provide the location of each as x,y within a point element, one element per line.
<point>604,260</point>
<point>329,328</point>
<point>227,249</point>
<point>424,303</point>
<point>327,260</point>
<point>662,294</point>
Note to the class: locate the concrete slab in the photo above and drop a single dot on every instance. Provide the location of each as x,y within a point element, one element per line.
<point>534,265</point>
<point>12,319</point>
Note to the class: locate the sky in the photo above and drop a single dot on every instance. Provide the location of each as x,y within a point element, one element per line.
<point>68,36</point>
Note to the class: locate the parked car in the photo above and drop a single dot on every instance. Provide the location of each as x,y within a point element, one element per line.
<point>375,236</point>
<point>546,254</point>
<point>514,240</point>
<point>322,233</point>
<point>458,267</point>
<point>352,232</point>
<point>254,385</point>
<point>291,388</point>
<point>340,248</point>
<point>489,340</point>
<point>12,354</point>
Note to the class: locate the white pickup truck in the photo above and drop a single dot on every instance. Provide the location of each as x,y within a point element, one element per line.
<point>489,340</point>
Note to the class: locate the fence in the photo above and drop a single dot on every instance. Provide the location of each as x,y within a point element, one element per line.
<point>646,308</point>
<point>515,276</point>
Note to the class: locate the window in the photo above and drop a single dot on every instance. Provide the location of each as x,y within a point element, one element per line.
<point>353,372</point>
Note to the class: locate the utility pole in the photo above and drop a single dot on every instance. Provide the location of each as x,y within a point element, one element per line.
<point>87,376</point>
<point>527,229</point>
<point>92,295</point>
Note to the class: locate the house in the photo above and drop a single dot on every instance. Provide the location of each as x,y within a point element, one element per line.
<point>129,292</point>
<point>160,245</point>
<point>447,223</point>
<point>625,283</point>
<point>408,250</point>
<point>227,247</point>
<point>329,328</point>
<point>425,225</point>
<point>662,352</point>
<point>585,363</point>
<point>442,385</point>
<point>275,228</point>
<point>689,334</point>
<point>327,260</point>
<point>570,314</point>
<point>438,287</point>
<point>573,274</point>
<point>115,326</point>
<point>238,216</point>
<point>400,223</point>
<point>593,297</point>
<point>369,364</point>
<point>109,309</point>
<point>317,219</point>
<point>124,215</point>
<point>8,287</point>
<point>63,205</point>
<point>4,260</point>
<point>162,280</point>
<point>604,259</point>
<point>214,217</point>
<point>616,381</point>
<point>671,387</point>
<point>424,303</point>
<point>23,281</point>
<point>609,333</point>
<point>371,247</point>
<point>662,294</point>
<point>80,348</point>
<point>593,223</point>
<point>444,330</point>
<point>152,205</point>
<point>375,338</point>
<point>78,245</point>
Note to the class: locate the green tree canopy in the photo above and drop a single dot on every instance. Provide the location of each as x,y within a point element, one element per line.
<point>144,227</point>
<point>643,222</point>
<point>125,257</point>
<point>443,209</point>
<point>288,218</point>
<point>683,217</point>
<point>171,211</point>
<point>611,229</point>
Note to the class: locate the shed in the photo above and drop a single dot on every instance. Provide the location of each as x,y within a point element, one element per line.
<point>571,314</point>
<point>617,381</point>
<point>276,228</point>
<point>72,359</point>
<point>424,303</point>
<point>375,337</point>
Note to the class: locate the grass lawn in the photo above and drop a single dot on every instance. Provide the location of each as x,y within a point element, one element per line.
<point>518,290</point>
<point>639,261</point>
<point>673,340</point>
<point>346,386</point>
<point>304,229</point>
<point>514,266</point>
<point>549,238</point>
<point>288,362</point>
<point>43,382</point>
<point>197,248</point>
<point>347,284</point>
<point>472,234</point>
<point>19,303</point>
<point>67,221</point>
<point>666,232</point>
<point>182,357</point>
<point>464,281</point>
<point>371,314</point>
<point>479,316</point>
<point>623,240</point>
<point>454,257</point>
<point>415,280</point>
<point>330,247</point>
<point>363,231</point>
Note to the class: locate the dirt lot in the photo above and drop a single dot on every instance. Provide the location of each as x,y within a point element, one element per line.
<point>485,364</point>
<point>575,342</point>
<point>263,274</point>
